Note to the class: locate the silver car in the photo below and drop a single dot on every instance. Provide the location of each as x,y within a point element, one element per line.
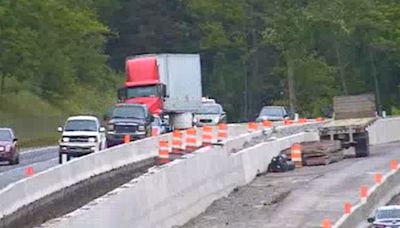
<point>210,114</point>
<point>387,216</point>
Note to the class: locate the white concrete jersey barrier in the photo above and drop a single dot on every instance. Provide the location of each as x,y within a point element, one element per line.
<point>33,188</point>
<point>384,131</point>
<point>175,193</point>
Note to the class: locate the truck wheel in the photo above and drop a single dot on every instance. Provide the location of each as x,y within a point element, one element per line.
<point>362,146</point>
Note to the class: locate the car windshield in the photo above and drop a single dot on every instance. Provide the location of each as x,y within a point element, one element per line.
<point>210,109</point>
<point>387,214</point>
<point>5,135</point>
<point>142,91</point>
<point>81,125</point>
<point>128,112</point>
<point>272,112</point>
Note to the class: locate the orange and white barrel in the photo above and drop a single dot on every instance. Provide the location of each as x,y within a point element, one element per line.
<point>191,139</point>
<point>222,133</point>
<point>163,152</point>
<point>296,155</point>
<point>287,122</point>
<point>177,142</point>
<point>207,135</point>
<point>266,124</point>
<point>251,127</point>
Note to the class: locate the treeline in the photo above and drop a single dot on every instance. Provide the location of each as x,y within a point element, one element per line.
<point>298,53</point>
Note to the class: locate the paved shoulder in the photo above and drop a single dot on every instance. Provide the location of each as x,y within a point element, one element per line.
<point>301,198</point>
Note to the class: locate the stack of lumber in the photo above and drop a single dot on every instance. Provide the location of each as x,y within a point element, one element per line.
<point>323,152</point>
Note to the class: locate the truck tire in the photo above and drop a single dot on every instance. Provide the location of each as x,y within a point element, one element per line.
<point>362,146</point>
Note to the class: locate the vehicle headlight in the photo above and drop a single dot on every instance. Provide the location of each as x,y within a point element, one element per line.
<point>92,140</point>
<point>8,148</point>
<point>110,127</point>
<point>65,139</point>
<point>1,149</point>
<point>141,128</point>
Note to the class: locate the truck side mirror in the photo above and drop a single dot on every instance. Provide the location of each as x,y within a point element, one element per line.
<point>60,129</point>
<point>151,118</point>
<point>162,90</point>
<point>15,139</point>
<point>102,129</point>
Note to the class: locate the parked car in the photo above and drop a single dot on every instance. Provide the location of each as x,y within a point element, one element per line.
<point>8,146</point>
<point>274,113</point>
<point>81,135</point>
<point>128,119</point>
<point>159,125</point>
<point>387,216</point>
<point>210,114</point>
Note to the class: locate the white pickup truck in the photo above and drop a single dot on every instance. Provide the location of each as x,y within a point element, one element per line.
<point>81,135</point>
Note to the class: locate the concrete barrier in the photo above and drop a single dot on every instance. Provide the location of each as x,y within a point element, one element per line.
<point>175,193</point>
<point>40,185</point>
<point>384,131</point>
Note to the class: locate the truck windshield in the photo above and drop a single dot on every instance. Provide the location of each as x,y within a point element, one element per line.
<point>129,112</point>
<point>272,112</point>
<point>81,125</point>
<point>142,91</point>
<point>210,109</point>
<point>388,214</point>
<point>5,135</point>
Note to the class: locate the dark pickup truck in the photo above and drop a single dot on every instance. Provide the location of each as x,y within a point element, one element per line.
<point>127,119</point>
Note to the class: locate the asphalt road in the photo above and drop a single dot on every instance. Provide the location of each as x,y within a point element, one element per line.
<point>39,159</point>
<point>301,198</point>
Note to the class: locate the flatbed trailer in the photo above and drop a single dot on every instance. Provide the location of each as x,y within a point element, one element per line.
<point>353,115</point>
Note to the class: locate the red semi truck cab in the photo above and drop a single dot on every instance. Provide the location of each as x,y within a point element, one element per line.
<point>168,84</point>
<point>142,85</point>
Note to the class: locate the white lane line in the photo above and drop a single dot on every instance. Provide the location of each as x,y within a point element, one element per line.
<point>37,149</point>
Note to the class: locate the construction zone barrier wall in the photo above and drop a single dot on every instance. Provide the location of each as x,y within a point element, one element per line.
<point>40,185</point>
<point>384,131</point>
<point>178,191</point>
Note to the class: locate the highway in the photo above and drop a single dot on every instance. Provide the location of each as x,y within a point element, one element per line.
<point>39,159</point>
<point>301,198</point>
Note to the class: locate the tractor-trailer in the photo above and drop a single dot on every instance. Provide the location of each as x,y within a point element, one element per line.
<point>168,84</point>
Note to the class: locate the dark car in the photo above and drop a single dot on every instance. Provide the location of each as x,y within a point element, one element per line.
<point>128,119</point>
<point>8,146</point>
<point>274,113</point>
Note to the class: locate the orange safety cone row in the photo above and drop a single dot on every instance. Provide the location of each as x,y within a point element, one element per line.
<point>191,139</point>
<point>177,142</point>
<point>251,127</point>
<point>28,171</point>
<point>222,133</point>
<point>266,124</point>
<point>296,155</point>
<point>207,135</point>
<point>163,152</point>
